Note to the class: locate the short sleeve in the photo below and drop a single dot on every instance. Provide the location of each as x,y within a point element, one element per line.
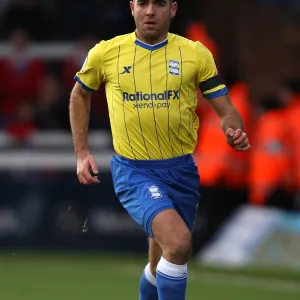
<point>91,74</point>
<point>210,82</point>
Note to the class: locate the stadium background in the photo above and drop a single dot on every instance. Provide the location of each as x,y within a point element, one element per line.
<point>247,234</point>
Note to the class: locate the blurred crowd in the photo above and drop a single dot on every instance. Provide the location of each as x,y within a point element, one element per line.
<point>34,95</point>
<point>269,174</point>
<point>34,92</point>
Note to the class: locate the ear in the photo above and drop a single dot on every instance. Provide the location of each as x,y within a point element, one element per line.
<point>132,7</point>
<point>174,9</point>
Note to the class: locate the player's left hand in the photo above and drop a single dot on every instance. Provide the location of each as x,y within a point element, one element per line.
<point>237,139</point>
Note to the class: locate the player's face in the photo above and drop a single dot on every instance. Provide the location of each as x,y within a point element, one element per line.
<point>152,18</point>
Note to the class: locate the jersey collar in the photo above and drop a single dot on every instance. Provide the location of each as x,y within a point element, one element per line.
<point>150,47</point>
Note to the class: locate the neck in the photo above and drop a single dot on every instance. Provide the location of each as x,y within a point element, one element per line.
<point>151,40</point>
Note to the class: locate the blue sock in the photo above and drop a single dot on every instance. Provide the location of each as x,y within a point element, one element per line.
<point>171,280</point>
<point>148,289</point>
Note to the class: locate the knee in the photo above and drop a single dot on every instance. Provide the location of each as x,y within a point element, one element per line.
<point>179,250</point>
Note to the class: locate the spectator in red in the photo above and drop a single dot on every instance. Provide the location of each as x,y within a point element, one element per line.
<point>20,73</point>
<point>21,125</point>
<point>51,105</point>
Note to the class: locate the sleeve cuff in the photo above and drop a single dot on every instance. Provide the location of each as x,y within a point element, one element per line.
<point>216,94</point>
<point>83,85</point>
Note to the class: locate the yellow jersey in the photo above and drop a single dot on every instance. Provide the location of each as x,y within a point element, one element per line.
<point>152,92</point>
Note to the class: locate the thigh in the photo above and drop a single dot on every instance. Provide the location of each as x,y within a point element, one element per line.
<point>169,229</point>
<point>142,196</point>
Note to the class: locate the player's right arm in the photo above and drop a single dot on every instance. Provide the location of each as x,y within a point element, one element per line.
<point>88,80</point>
<point>80,102</point>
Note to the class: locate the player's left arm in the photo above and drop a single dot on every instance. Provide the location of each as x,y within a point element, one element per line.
<point>216,92</point>
<point>231,123</point>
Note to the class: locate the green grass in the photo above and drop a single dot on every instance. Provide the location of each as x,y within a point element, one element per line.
<point>91,277</point>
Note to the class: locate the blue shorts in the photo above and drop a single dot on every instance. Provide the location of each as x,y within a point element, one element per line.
<point>147,187</point>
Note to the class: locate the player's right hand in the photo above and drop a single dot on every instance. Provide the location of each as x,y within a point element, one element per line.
<point>86,164</point>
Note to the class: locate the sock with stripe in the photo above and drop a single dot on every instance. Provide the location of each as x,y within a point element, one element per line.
<point>171,280</point>
<point>148,288</point>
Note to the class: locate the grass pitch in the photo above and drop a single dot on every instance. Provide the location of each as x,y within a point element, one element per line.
<point>25,276</point>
